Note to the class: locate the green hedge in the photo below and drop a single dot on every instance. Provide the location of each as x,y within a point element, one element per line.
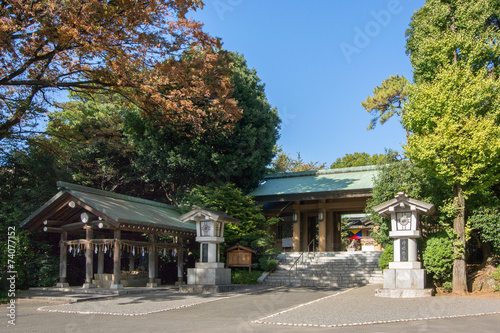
<point>240,276</point>
<point>386,257</point>
<point>438,256</point>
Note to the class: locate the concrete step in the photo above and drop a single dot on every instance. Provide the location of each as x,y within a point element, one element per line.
<point>327,269</point>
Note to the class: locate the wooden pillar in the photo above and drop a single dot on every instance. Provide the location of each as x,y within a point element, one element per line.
<point>296,232</point>
<point>180,262</point>
<point>89,258</point>
<point>329,231</point>
<point>337,241</point>
<point>131,262</point>
<point>322,231</point>
<point>305,233</point>
<point>151,262</point>
<point>100,262</point>
<point>63,261</point>
<point>117,261</point>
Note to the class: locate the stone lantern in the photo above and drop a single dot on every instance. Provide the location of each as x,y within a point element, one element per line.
<point>209,233</point>
<point>405,276</point>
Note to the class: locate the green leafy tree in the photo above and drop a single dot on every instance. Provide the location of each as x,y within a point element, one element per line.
<point>87,135</point>
<point>485,222</point>
<point>387,100</point>
<point>455,135</point>
<point>181,160</point>
<point>455,52</point>
<point>283,162</point>
<point>446,32</point>
<point>404,176</point>
<point>253,230</point>
<point>362,159</point>
<point>27,180</point>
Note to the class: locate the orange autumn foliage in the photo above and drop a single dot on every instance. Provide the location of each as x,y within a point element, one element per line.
<point>144,50</point>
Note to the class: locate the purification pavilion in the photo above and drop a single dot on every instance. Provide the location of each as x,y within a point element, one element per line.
<point>312,203</point>
<point>95,222</point>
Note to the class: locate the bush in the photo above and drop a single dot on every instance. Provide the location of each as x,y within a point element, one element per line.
<point>268,264</point>
<point>496,276</point>
<point>438,256</point>
<point>245,277</point>
<point>386,257</point>
<point>448,287</point>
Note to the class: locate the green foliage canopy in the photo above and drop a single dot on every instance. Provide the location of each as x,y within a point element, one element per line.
<point>362,159</point>
<point>387,100</point>
<point>454,123</point>
<point>253,230</point>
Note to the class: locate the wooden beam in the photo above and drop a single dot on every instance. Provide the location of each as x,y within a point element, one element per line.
<point>96,213</point>
<point>52,229</point>
<point>73,226</point>
<point>51,223</point>
<point>101,224</point>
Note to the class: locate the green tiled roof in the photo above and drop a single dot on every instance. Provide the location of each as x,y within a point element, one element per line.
<point>321,182</point>
<point>120,208</point>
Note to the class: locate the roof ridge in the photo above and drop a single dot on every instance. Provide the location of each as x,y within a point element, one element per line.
<point>64,186</point>
<point>322,172</point>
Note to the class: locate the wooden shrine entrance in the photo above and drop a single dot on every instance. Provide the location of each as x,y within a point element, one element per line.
<point>97,223</point>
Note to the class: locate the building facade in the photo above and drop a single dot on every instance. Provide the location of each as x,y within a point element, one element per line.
<point>312,203</point>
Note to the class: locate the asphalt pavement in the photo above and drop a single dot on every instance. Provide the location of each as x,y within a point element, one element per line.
<point>257,309</point>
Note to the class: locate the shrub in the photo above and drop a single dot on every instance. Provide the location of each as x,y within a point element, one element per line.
<point>386,257</point>
<point>447,286</point>
<point>438,256</point>
<point>496,276</point>
<point>245,277</point>
<point>268,264</point>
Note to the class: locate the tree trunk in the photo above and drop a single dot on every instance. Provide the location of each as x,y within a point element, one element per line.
<point>459,265</point>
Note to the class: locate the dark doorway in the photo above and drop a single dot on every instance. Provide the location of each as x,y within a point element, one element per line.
<point>312,233</point>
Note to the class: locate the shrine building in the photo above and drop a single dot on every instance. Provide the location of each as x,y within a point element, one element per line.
<point>312,203</point>
<point>112,227</point>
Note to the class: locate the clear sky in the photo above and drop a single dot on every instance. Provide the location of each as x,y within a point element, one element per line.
<point>319,59</point>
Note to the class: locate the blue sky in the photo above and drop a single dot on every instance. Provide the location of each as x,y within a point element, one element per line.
<point>319,59</point>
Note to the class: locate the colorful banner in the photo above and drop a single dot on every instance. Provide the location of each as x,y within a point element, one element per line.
<point>355,233</point>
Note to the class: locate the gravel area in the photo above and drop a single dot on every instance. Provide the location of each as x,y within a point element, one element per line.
<point>138,305</point>
<point>359,306</point>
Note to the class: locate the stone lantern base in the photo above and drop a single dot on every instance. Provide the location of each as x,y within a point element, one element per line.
<point>209,274</point>
<point>404,280</point>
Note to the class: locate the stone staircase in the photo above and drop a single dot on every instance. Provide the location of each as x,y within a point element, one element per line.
<point>327,269</point>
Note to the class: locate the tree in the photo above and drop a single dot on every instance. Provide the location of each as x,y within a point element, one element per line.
<point>27,180</point>
<point>362,159</point>
<point>444,32</point>
<point>106,142</point>
<point>181,160</point>
<point>283,162</point>
<point>146,51</point>
<point>87,135</point>
<point>253,230</point>
<point>404,176</point>
<point>450,43</point>
<point>454,122</point>
<point>388,99</point>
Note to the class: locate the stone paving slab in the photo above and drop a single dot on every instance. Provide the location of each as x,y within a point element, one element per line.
<point>359,306</point>
<point>138,305</point>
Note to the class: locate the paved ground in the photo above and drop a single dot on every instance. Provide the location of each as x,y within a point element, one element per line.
<point>278,310</point>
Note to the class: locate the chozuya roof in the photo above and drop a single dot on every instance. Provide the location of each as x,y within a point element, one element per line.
<point>198,213</point>
<point>114,208</point>
<point>402,200</point>
<point>316,184</point>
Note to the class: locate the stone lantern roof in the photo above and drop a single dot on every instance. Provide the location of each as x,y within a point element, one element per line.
<point>198,213</point>
<point>401,200</point>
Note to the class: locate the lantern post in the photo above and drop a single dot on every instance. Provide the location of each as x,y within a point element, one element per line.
<point>405,276</point>
<point>208,271</point>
